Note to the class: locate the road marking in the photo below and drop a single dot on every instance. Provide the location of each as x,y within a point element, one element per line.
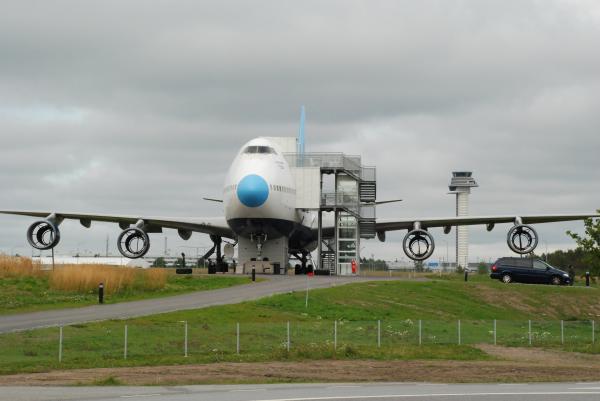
<point>431,395</point>
<point>139,395</point>
<point>248,389</point>
<point>342,386</point>
<point>584,388</point>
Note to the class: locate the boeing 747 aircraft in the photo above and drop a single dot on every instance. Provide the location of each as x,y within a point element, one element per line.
<point>259,196</point>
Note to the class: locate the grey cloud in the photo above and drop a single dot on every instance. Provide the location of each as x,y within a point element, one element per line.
<point>139,107</point>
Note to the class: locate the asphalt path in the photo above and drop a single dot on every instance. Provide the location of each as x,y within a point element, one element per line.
<point>201,299</point>
<point>314,392</point>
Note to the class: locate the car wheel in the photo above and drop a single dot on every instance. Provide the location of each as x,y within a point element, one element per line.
<point>556,280</point>
<point>506,278</point>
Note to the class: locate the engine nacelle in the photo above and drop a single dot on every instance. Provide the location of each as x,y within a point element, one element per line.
<point>418,244</point>
<point>522,239</point>
<point>133,243</point>
<point>43,235</point>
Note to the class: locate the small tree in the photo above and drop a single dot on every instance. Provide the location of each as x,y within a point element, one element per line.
<point>590,243</point>
<point>482,268</point>
<point>159,262</point>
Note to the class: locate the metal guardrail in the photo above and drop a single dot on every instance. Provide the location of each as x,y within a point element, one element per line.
<point>325,160</point>
<point>340,200</point>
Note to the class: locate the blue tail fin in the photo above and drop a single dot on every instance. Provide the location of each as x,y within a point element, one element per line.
<point>301,133</point>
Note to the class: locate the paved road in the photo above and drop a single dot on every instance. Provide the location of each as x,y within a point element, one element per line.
<point>202,299</point>
<point>315,392</point>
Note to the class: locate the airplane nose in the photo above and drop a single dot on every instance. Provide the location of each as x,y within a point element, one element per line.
<point>253,190</point>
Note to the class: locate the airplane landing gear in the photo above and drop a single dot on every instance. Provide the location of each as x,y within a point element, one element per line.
<point>220,265</point>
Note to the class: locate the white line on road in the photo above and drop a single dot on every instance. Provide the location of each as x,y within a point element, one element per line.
<point>139,395</point>
<point>584,388</point>
<point>248,389</point>
<point>342,386</point>
<point>360,397</point>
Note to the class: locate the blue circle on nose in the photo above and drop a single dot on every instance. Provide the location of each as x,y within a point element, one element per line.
<point>253,190</point>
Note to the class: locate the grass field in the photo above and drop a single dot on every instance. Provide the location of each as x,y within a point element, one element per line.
<point>438,304</point>
<point>25,287</point>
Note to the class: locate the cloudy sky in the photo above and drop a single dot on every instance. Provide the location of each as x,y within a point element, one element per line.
<point>139,107</point>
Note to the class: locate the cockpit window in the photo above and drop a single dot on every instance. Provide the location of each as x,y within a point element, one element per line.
<point>260,149</point>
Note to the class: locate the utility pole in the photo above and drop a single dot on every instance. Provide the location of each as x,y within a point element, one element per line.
<point>107,245</point>
<point>165,246</point>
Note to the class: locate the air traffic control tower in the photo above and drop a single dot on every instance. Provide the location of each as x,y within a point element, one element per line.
<point>461,184</point>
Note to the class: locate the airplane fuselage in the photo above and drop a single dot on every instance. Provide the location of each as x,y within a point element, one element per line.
<point>260,196</point>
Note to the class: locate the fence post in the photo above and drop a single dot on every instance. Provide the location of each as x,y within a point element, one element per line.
<point>60,343</point>
<point>185,343</point>
<point>562,332</point>
<point>420,339</point>
<point>125,344</point>
<point>459,332</point>
<point>379,333</point>
<point>335,335</point>
<point>237,342</point>
<point>530,332</point>
<point>495,332</point>
<point>288,336</point>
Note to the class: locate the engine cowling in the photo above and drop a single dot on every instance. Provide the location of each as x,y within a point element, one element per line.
<point>522,239</point>
<point>133,243</point>
<point>43,235</point>
<point>418,244</point>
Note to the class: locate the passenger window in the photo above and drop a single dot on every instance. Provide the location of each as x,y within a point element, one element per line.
<point>539,265</point>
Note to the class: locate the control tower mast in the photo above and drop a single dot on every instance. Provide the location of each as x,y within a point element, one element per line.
<point>461,184</point>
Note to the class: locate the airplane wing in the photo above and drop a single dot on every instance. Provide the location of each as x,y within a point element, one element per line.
<point>215,225</point>
<point>403,224</point>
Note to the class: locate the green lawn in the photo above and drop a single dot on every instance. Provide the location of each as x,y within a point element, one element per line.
<point>26,294</point>
<point>314,333</point>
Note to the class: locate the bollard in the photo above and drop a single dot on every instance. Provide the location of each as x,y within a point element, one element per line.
<point>587,279</point>
<point>101,293</point>
<point>420,337</point>
<point>466,275</point>
<point>379,334</point>
<point>495,335</point>
<point>253,274</point>
<point>459,339</point>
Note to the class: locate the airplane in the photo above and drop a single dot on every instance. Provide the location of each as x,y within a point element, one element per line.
<point>259,201</point>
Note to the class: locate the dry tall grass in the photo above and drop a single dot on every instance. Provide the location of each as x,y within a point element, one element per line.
<point>84,278</point>
<point>11,267</point>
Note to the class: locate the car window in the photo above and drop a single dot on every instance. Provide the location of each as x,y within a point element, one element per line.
<point>539,265</point>
<point>520,262</point>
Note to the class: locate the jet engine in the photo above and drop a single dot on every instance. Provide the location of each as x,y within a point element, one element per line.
<point>418,244</point>
<point>522,239</point>
<point>43,235</point>
<point>133,242</point>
